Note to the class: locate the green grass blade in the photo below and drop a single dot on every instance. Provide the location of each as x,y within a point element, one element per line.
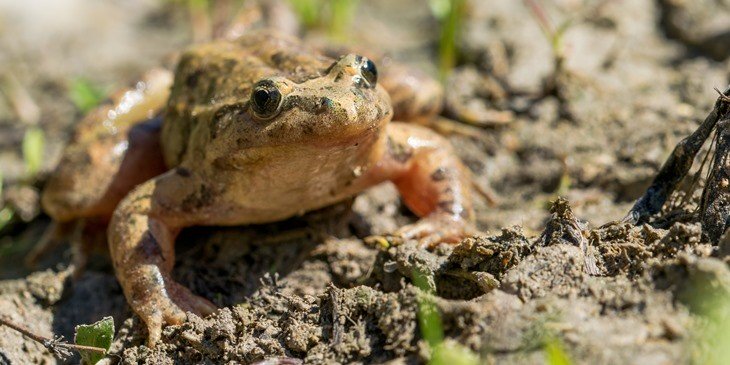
<point>6,215</point>
<point>85,95</point>
<point>308,11</point>
<point>451,353</point>
<point>450,29</point>
<point>341,18</point>
<point>429,318</point>
<point>555,353</point>
<point>34,144</point>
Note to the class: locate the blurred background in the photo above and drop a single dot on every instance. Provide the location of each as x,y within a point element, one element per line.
<point>544,98</point>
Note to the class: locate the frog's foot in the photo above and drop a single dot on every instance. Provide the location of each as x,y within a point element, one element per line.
<point>432,182</point>
<point>436,228</point>
<point>159,300</point>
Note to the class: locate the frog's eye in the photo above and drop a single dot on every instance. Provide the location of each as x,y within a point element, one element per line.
<point>265,99</point>
<point>369,72</point>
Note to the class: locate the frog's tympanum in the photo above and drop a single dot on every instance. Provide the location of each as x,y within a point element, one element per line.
<point>249,130</point>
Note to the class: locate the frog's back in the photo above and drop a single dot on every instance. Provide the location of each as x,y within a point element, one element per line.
<point>217,77</point>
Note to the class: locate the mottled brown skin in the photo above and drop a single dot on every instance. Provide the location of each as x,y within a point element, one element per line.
<point>414,95</point>
<point>113,148</point>
<point>329,139</point>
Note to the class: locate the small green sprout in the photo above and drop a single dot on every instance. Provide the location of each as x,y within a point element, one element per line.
<point>707,295</point>
<point>439,8</point>
<point>428,315</point>
<point>452,353</point>
<point>308,11</point>
<point>333,15</point>
<point>450,14</point>
<point>85,95</point>
<point>555,352</point>
<point>34,144</point>
<point>96,335</point>
<point>341,18</point>
<point>555,35</point>
<point>429,320</point>
<point>6,215</point>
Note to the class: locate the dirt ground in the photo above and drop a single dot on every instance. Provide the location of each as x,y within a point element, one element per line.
<point>637,77</point>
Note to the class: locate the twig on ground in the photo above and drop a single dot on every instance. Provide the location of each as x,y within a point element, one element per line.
<point>541,17</point>
<point>722,95</point>
<point>55,345</point>
<point>677,166</point>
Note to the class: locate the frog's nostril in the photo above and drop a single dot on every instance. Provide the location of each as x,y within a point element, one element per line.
<point>324,104</point>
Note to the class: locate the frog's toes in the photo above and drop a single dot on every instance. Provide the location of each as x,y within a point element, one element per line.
<point>155,314</point>
<point>162,310</point>
<point>436,228</point>
<point>190,302</point>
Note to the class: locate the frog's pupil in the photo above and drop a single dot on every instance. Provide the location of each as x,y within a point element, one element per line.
<point>261,97</point>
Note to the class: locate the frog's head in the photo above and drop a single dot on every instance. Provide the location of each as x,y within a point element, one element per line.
<point>343,105</point>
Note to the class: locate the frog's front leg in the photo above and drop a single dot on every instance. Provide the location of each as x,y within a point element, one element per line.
<point>432,181</point>
<point>141,240</point>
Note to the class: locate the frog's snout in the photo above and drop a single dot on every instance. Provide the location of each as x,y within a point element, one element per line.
<point>358,69</point>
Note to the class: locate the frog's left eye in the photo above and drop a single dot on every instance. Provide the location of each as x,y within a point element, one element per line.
<point>265,99</point>
<point>369,72</point>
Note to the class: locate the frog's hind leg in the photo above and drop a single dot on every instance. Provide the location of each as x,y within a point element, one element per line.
<point>114,148</point>
<point>415,96</point>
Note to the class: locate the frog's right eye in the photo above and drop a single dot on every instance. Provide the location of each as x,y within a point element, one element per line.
<point>265,99</point>
<point>369,72</point>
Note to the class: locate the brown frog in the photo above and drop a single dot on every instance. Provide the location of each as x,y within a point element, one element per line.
<point>251,130</point>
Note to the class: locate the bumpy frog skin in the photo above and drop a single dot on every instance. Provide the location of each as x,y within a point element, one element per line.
<point>255,130</point>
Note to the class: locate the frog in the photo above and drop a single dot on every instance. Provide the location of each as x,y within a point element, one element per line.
<point>251,129</point>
